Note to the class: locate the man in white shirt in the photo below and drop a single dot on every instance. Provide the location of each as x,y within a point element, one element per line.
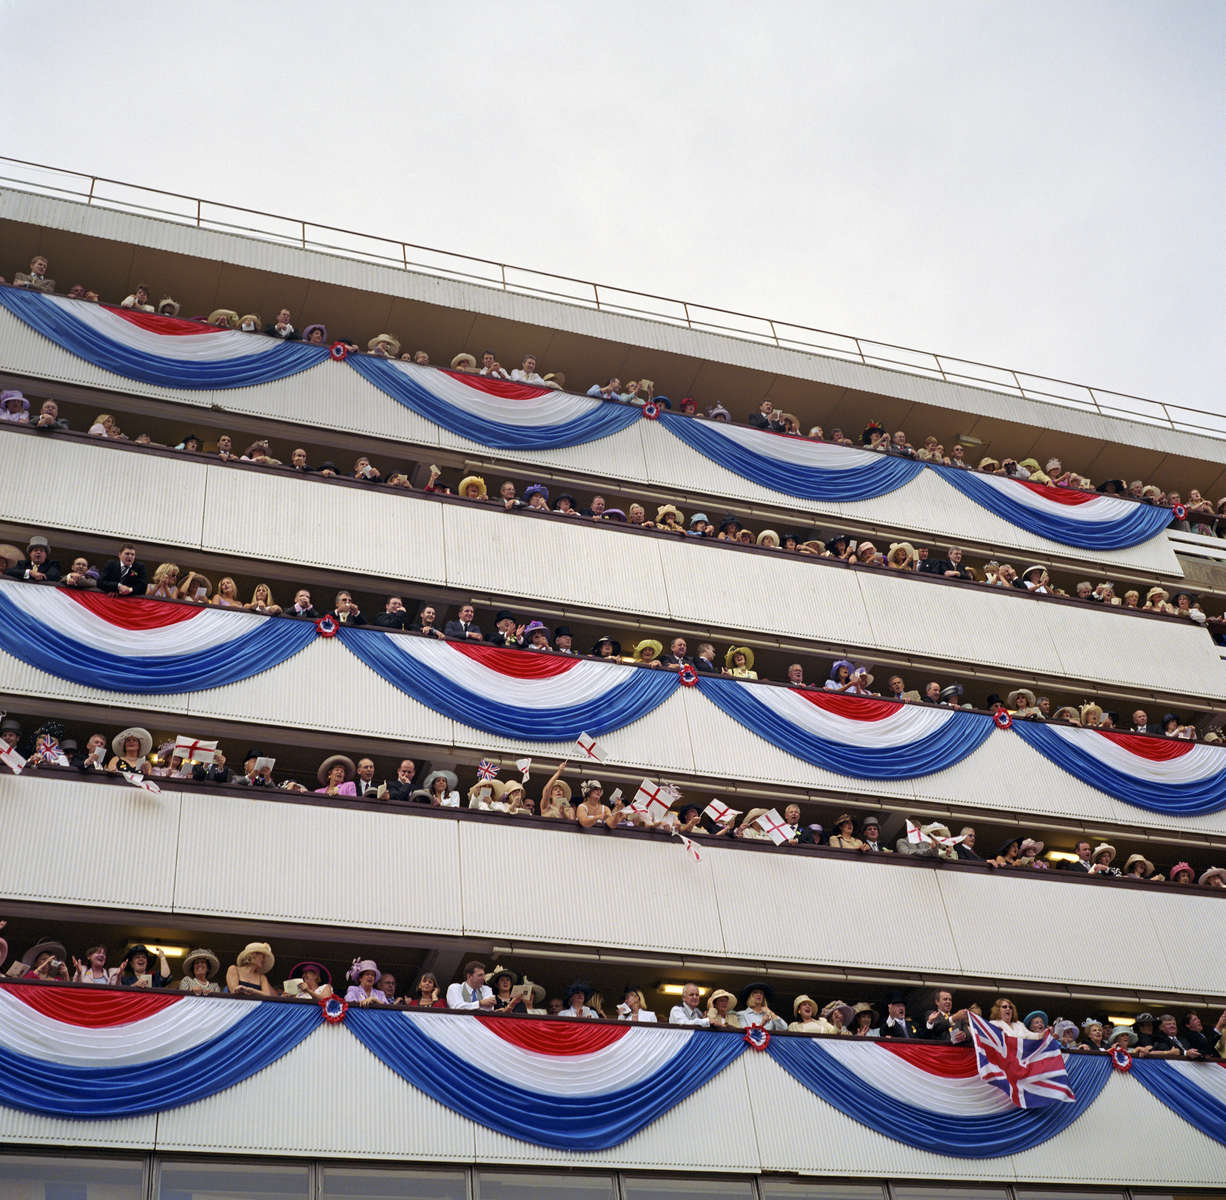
<point>473,992</point>
<point>688,1012</point>
<point>526,371</point>
<point>491,366</point>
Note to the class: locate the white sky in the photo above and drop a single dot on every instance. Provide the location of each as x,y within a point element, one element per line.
<point>1035,185</point>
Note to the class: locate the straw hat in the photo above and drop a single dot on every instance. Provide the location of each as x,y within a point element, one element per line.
<point>803,999</point>
<point>988,463</point>
<point>496,786</point>
<point>908,551</point>
<point>385,339</point>
<point>1066,711</point>
<point>1021,693</point>
<point>1133,859</point>
<point>1031,570</point>
<point>657,648</point>
<point>464,362</point>
<point>251,948</point>
<point>1091,715</point>
<point>473,479</point>
<point>1100,848</point>
<point>720,994</point>
<point>331,761</point>
<point>492,978</point>
<point>230,315</point>
<point>254,318</point>
<point>664,509</point>
<point>1213,873</point>
<point>839,1006</point>
<point>143,736</point>
<point>171,303</point>
<point>733,651</point>
<point>196,955</point>
<point>765,534</point>
<point>1156,591</point>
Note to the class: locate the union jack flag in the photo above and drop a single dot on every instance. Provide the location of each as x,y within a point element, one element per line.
<point>487,768</point>
<point>1030,1071</point>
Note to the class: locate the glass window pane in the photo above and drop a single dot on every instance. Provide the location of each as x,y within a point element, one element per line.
<point>976,1192</point>
<point>66,1177</point>
<point>1047,1193</point>
<point>358,1183</point>
<point>816,1189</point>
<point>232,1181</point>
<point>557,1185</point>
<point>1138,1194</point>
<point>648,1187</point>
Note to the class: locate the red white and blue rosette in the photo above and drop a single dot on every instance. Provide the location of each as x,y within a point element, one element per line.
<point>515,693</point>
<point>77,1052</point>
<point>569,1085</point>
<point>495,412</point>
<point>795,466</point>
<point>930,1096</point>
<point>1074,518</point>
<point>1167,775</point>
<point>852,735</point>
<point>131,644</point>
<point>1194,1090</point>
<point>160,350</point>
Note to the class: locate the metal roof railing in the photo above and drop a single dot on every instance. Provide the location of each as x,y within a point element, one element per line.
<point>96,190</point>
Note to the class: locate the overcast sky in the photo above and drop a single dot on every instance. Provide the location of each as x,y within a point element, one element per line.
<point>1037,185</point>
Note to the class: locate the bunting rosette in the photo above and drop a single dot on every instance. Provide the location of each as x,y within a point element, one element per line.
<point>1084,519</point>
<point>1194,1090</point>
<point>76,1052</point>
<point>495,412</point>
<point>795,466</point>
<point>515,693</point>
<point>851,735</point>
<point>1166,775</point>
<point>160,350</point>
<point>569,1085</point>
<point>930,1096</point>
<point>131,644</point>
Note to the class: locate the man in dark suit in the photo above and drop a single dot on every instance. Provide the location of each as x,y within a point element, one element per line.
<point>346,611</point>
<point>394,615</point>
<point>400,789</point>
<point>949,567</point>
<point>704,659</point>
<point>464,627</point>
<point>1140,722</point>
<point>676,656</point>
<point>506,631</point>
<point>37,564</point>
<point>364,782</point>
<point>897,1024</point>
<point>1083,865</point>
<point>124,576</point>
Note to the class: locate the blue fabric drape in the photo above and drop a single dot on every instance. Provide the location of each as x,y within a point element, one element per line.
<point>1182,1096</point>
<point>887,473</point>
<point>1142,523</point>
<point>247,1047</point>
<point>1190,799</point>
<point>635,697</point>
<point>563,1122</point>
<point>963,734</point>
<point>249,654</point>
<point>603,420</point>
<point>47,318</point>
<point>959,1137</point>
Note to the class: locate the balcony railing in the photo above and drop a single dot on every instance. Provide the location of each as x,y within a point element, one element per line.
<point>101,192</point>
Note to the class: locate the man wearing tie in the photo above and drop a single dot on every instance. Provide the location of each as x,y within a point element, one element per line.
<point>124,576</point>
<point>897,1024</point>
<point>473,992</point>
<point>464,628</point>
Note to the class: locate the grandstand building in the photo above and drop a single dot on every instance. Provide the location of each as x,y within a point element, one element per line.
<point>311,1107</point>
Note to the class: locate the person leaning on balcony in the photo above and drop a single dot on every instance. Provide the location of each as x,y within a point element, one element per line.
<point>1004,1016</point>
<point>199,967</point>
<point>282,327</point>
<point>464,627</point>
<point>755,1009</point>
<point>124,576</point>
<point>345,610</point>
<point>844,835</point>
<point>363,976</point>
<point>503,981</point>
<point>474,993</point>
<point>136,968</point>
<point>262,602</point>
<point>336,774</point>
<point>633,1008</point>
<point>425,993</point>
<point>130,750</point>
<point>425,622</point>
<point>688,1012</point>
<point>36,277</point>
<point>249,974</point>
<point>1167,1042</point>
<point>14,407</point>
<point>804,1008</point>
<point>37,566</point>
<point>138,300</point>
<point>592,811</point>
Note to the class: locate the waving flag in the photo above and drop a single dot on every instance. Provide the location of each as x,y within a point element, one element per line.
<point>11,758</point>
<point>487,768</point>
<point>591,747</point>
<point>652,800</point>
<point>136,779</point>
<point>719,812</point>
<point>795,466</point>
<point>515,693</point>
<point>1030,1071</point>
<point>688,845</point>
<point>853,735</point>
<point>775,827</point>
<point>160,350</point>
<point>1167,775</point>
<point>195,749</point>
<point>131,644</point>
<point>495,412</point>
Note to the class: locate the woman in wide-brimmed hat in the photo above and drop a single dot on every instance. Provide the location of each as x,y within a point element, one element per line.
<point>755,1007</point>
<point>720,1010</point>
<point>472,487</point>
<point>46,959</point>
<point>555,797</point>
<point>606,647</point>
<point>647,653</point>
<point>136,968</point>
<point>1138,867</point>
<point>315,335</point>
<point>130,750</point>
<point>384,345</point>
<point>199,967</point>
<point>464,362</point>
<point>502,981</point>
<point>840,1016</point>
<point>865,1020</point>
<point>314,981</point>
<point>738,662</point>
<point>844,835</point>
<point>902,557</point>
<point>576,1002</point>
<point>336,773</point>
<point>1102,859</point>
<point>804,1008</point>
<point>485,794</point>
<point>248,976</point>
<point>442,789</point>
<point>1214,877</point>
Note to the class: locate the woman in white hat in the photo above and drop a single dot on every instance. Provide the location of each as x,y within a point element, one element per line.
<point>804,1008</point>
<point>441,789</point>
<point>199,967</point>
<point>1092,1035</point>
<point>555,797</point>
<point>1102,860</point>
<point>130,750</point>
<point>248,976</point>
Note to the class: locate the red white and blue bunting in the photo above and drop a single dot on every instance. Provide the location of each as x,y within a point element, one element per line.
<point>495,412</point>
<point>73,1052</point>
<point>1166,775</point>
<point>795,466</point>
<point>572,1086</point>
<point>160,350</point>
<point>930,1096</point>
<point>859,736</point>
<point>516,693</point>
<point>1196,1091</point>
<point>131,644</point>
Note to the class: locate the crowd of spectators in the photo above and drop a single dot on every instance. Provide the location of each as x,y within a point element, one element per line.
<point>126,575</point>
<point>1203,516</point>
<point>586,803</point>
<point>505,991</point>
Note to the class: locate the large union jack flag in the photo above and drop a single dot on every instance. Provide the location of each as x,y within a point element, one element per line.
<point>1030,1071</point>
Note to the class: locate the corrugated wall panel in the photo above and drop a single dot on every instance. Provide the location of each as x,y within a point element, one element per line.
<point>1085,949</point>
<point>29,1129</point>
<point>631,877</point>
<point>285,1110</point>
<point>836,912</point>
<point>335,396</point>
<point>1188,928</point>
<point>374,530</point>
<point>151,498</point>
<point>95,829</point>
<point>357,873</point>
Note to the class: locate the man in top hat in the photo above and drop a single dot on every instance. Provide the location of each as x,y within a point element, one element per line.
<point>870,835</point>
<point>507,631</point>
<point>37,566</point>
<point>10,732</point>
<point>897,1024</point>
<point>563,641</point>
